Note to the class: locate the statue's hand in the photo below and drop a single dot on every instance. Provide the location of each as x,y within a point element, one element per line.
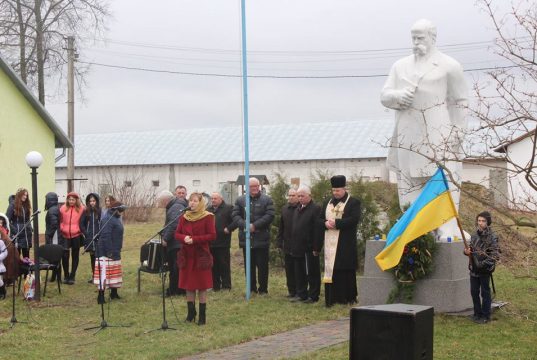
<point>406,96</point>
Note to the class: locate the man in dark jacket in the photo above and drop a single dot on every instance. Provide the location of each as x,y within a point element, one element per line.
<point>180,194</point>
<point>52,218</point>
<point>261,216</point>
<point>220,248</point>
<point>339,220</point>
<point>284,240</point>
<point>52,221</point>
<point>174,208</point>
<point>305,247</point>
<point>483,252</point>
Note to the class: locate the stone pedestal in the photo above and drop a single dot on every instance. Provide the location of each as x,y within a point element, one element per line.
<point>447,288</point>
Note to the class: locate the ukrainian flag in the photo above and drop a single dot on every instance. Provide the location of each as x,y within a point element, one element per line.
<point>432,208</point>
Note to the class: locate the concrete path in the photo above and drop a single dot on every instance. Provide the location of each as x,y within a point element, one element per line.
<point>285,345</point>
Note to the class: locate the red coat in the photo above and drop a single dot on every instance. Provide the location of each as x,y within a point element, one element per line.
<point>70,221</point>
<point>195,260</point>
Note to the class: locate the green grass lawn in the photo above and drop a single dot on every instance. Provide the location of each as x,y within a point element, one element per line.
<point>56,325</point>
<point>511,335</point>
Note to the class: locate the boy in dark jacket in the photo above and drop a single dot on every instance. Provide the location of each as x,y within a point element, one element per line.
<point>484,253</point>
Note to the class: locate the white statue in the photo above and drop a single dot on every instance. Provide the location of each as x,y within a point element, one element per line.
<point>429,93</point>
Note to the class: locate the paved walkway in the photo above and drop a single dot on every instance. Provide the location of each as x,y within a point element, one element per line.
<point>285,345</point>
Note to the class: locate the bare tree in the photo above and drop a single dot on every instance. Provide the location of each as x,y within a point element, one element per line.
<point>132,187</point>
<point>33,32</point>
<point>507,103</point>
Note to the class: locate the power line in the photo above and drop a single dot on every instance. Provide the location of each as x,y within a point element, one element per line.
<point>282,52</point>
<point>268,76</point>
<point>237,61</point>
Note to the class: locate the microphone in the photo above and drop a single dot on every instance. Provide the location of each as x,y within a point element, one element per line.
<point>36,212</point>
<point>120,208</point>
<point>187,209</point>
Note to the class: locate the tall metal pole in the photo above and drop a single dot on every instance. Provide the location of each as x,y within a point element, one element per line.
<point>37,295</point>
<point>246,149</point>
<point>71,112</point>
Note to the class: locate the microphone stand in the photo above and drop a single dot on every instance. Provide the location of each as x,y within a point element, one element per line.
<point>164,326</point>
<point>95,239</point>
<point>14,320</point>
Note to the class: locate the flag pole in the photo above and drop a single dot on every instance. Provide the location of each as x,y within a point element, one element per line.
<point>246,149</point>
<point>454,208</point>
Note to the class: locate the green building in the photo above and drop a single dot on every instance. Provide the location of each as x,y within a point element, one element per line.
<point>25,125</point>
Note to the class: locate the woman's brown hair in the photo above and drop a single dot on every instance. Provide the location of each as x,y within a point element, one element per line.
<point>78,203</point>
<point>19,205</point>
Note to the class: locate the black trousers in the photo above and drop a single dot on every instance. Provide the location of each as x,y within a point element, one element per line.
<point>259,260</point>
<point>25,252</point>
<point>221,268</point>
<point>290,274</point>
<point>74,245</point>
<point>173,270</point>
<point>301,281</point>
<point>313,266</point>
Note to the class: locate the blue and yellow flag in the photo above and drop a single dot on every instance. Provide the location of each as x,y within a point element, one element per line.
<point>432,208</point>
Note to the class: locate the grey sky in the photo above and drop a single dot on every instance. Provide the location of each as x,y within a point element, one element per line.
<point>286,38</point>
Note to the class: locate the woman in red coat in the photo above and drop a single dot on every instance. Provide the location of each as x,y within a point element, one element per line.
<point>194,231</point>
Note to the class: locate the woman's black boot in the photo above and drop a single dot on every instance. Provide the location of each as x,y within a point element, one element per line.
<point>2,292</point>
<point>201,319</point>
<point>191,312</point>
<point>114,294</point>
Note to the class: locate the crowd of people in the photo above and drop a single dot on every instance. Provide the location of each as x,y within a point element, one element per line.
<point>71,226</point>
<point>197,242</point>
<point>202,242</point>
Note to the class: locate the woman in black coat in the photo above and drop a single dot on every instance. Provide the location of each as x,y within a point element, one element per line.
<point>108,253</point>
<point>18,213</point>
<point>90,223</point>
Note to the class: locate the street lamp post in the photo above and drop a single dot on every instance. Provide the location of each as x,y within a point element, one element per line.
<point>34,160</point>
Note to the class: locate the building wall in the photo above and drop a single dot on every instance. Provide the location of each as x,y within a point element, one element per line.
<point>491,174</point>
<point>521,195</point>
<point>480,172</point>
<point>210,177</point>
<point>23,130</point>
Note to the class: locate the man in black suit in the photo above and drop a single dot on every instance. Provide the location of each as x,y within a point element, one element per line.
<point>220,248</point>
<point>305,247</point>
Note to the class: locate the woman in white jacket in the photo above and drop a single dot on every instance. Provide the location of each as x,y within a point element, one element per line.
<point>3,255</point>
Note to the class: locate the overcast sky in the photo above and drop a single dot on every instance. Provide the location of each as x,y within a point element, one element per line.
<point>300,38</point>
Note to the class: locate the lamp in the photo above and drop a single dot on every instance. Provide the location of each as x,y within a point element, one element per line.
<point>34,160</point>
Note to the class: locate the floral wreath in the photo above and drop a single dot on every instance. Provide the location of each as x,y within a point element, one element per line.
<point>416,263</point>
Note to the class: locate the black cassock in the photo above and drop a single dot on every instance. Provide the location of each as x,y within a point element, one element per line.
<point>343,289</point>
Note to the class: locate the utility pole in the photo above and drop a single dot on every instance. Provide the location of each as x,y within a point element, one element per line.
<point>71,112</point>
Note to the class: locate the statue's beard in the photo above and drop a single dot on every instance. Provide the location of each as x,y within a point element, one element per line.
<point>420,50</point>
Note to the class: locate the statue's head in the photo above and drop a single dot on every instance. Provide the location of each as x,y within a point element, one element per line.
<point>423,37</point>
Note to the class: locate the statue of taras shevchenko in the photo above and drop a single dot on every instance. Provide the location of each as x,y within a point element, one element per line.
<point>428,91</point>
